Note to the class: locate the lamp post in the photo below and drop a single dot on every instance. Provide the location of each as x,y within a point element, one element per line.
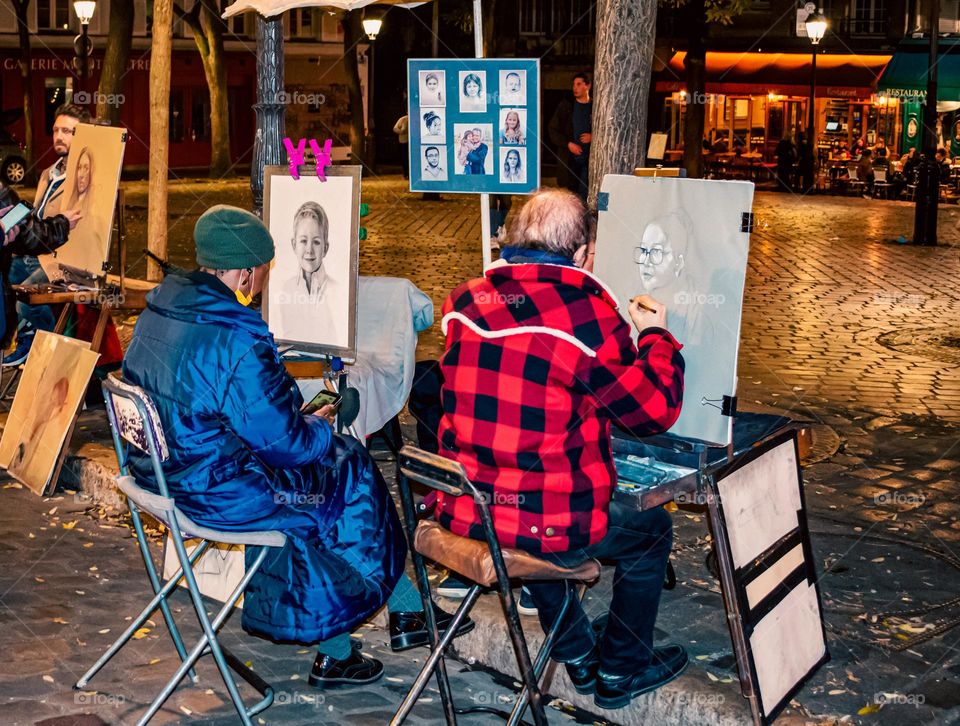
<point>372,24</point>
<point>816,29</point>
<point>84,10</point>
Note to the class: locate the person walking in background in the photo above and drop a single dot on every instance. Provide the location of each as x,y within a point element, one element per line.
<point>402,129</point>
<point>786,156</point>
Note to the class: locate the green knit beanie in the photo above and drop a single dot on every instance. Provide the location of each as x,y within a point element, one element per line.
<point>230,238</point>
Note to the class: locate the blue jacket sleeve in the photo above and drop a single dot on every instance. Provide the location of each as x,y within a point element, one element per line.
<point>262,404</point>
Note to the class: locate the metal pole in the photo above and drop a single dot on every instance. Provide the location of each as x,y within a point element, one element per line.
<point>268,142</point>
<point>484,198</point>
<point>928,177</point>
<point>85,55</point>
<point>811,116</point>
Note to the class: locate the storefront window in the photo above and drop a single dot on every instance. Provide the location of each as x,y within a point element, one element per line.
<point>176,116</point>
<point>200,117</point>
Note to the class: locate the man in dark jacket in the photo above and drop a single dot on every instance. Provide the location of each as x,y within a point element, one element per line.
<point>243,458</point>
<point>25,269</point>
<point>538,364</point>
<point>571,132</point>
<point>33,236</point>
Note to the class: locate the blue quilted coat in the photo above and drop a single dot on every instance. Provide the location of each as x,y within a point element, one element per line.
<point>243,458</point>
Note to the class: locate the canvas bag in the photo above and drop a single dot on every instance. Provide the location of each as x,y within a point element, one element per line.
<point>218,572</point>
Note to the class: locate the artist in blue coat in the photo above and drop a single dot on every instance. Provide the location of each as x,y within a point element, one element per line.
<point>243,458</point>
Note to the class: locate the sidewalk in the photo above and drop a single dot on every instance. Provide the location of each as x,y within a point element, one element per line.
<point>840,327</point>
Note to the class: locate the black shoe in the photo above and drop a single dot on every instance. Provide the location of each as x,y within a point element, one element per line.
<point>355,670</point>
<point>583,672</point>
<point>409,630</point>
<point>617,691</point>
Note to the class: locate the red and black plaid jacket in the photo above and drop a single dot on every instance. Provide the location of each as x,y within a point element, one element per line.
<point>538,363</point>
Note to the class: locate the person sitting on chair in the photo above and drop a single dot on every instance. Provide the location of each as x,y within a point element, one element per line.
<point>538,364</point>
<point>244,458</point>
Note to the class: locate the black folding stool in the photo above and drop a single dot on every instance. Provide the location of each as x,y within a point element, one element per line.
<point>487,565</point>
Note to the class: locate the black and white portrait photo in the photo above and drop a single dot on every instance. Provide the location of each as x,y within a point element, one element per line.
<point>432,125</point>
<point>513,166</point>
<point>473,91</point>
<point>513,88</point>
<point>431,88</point>
<point>434,159</point>
<point>312,286</point>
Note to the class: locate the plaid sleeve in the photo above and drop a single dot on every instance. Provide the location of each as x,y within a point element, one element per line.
<point>639,387</point>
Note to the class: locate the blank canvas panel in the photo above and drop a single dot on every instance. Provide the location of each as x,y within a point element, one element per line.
<point>768,572</point>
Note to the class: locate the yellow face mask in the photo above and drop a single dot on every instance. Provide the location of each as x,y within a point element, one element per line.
<point>242,297</point>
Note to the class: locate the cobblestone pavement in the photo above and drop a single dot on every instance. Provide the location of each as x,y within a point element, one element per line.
<point>841,326</point>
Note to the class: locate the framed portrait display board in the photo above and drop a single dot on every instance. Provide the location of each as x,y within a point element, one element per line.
<point>474,125</point>
<point>90,187</point>
<point>310,301</point>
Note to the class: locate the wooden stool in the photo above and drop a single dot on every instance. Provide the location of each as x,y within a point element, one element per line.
<point>488,566</point>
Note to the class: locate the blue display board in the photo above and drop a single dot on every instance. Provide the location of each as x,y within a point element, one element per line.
<point>474,125</point>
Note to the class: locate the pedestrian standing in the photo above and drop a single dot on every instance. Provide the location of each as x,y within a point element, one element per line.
<point>571,132</point>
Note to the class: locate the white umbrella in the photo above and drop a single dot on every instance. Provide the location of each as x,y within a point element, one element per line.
<point>268,8</point>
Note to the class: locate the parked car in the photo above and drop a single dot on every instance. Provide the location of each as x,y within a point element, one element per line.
<point>13,159</point>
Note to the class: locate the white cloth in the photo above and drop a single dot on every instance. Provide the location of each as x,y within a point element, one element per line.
<point>390,313</point>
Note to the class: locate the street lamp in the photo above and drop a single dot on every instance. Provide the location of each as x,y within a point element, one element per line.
<point>371,26</point>
<point>816,28</point>
<point>84,10</point>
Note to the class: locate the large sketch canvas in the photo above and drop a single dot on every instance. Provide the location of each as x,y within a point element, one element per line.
<point>93,175</point>
<point>679,240</point>
<point>54,381</point>
<point>311,296</point>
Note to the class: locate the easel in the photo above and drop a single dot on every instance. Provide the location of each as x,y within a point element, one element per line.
<point>112,292</point>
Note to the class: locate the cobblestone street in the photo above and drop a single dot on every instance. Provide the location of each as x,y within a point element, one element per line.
<point>842,326</point>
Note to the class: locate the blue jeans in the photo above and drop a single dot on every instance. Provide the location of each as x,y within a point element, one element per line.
<point>639,543</point>
<point>25,270</point>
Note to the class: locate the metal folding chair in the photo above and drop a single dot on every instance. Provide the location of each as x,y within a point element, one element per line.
<point>488,566</point>
<point>134,422</point>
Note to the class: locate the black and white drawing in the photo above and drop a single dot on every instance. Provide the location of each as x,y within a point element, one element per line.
<point>473,91</point>
<point>434,160</point>
<point>432,88</point>
<point>513,88</point>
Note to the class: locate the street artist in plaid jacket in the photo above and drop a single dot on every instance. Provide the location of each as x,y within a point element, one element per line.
<point>538,365</point>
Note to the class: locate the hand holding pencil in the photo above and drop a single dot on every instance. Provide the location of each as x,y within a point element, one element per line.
<point>645,312</point>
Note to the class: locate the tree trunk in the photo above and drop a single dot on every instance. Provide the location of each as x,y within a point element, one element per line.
<point>215,70</point>
<point>26,77</point>
<point>352,36</point>
<point>160,48</point>
<point>695,72</point>
<point>625,37</point>
<point>208,29</point>
<point>115,60</point>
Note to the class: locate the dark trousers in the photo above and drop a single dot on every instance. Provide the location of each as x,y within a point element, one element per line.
<point>639,543</point>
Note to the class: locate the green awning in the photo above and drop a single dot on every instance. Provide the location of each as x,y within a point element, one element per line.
<point>906,74</point>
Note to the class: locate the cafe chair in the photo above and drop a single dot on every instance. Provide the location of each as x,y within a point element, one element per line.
<point>881,187</point>
<point>855,184</point>
<point>134,422</point>
<point>486,564</point>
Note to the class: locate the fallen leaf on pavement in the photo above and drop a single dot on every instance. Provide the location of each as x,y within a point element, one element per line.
<point>141,633</point>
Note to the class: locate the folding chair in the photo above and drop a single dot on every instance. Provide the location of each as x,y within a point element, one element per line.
<point>488,566</point>
<point>134,422</point>
<point>855,183</point>
<point>880,184</point>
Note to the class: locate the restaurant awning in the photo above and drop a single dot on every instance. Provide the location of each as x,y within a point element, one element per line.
<point>783,74</point>
<point>906,75</point>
